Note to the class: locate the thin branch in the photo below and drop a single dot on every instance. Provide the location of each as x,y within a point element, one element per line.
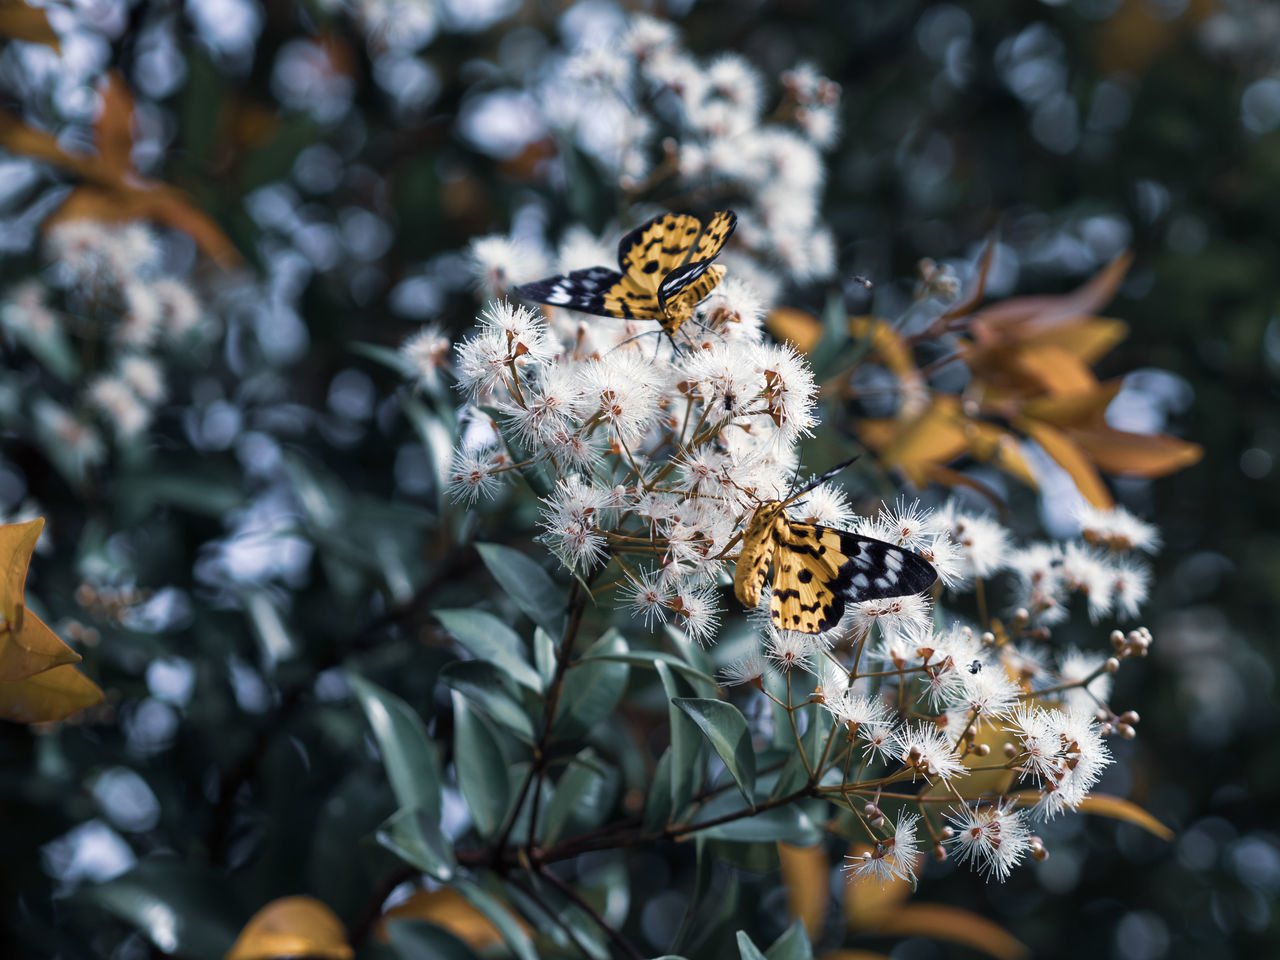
<point>621,942</point>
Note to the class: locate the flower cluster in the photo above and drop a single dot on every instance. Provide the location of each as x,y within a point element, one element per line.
<point>97,335</point>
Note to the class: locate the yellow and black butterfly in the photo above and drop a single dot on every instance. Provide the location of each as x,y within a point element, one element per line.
<point>817,569</point>
<point>666,270</point>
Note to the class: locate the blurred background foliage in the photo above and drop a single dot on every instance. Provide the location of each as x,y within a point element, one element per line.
<point>284,520</point>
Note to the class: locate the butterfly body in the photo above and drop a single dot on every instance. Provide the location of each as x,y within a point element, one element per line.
<point>665,270</point>
<point>818,570</point>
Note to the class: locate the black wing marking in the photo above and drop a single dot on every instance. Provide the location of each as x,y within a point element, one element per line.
<point>875,570</point>
<point>710,242</point>
<point>581,290</point>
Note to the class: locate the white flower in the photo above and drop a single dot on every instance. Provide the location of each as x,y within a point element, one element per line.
<point>984,693</point>
<point>878,736</point>
<point>734,310</point>
<point>1116,529</point>
<point>992,838</point>
<point>698,611</point>
<point>143,315</point>
<point>907,525</point>
<point>1085,570</point>
<point>1040,583</point>
<point>427,354</point>
<point>144,377</point>
<point>1130,586</point>
<point>67,436</point>
<point>894,614</point>
<point>825,504</point>
<point>180,311</point>
<point>1074,667</point>
<point>127,414</point>
<point>471,476</point>
<point>894,857</point>
<point>648,597</point>
<point>925,750</point>
<point>789,650</point>
<point>983,542</point>
<point>624,389</point>
<point>500,263</point>
<point>1082,756</point>
<point>748,669</point>
<point>508,336</point>
<point>854,710</point>
<point>789,391</point>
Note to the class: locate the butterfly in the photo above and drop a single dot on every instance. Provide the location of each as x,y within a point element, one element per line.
<point>817,569</point>
<point>666,270</point>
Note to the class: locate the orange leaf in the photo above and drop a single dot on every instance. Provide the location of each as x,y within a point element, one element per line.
<point>1071,458</point>
<point>30,649</point>
<point>1077,408</point>
<point>942,922</point>
<point>1105,805</point>
<point>48,697</point>
<point>114,127</point>
<point>17,543</point>
<point>936,436</point>
<point>887,344</point>
<point>292,927</point>
<point>1087,339</point>
<point>1057,371</point>
<point>867,902</point>
<point>797,326</point>
<point>993,444</point>
<point>22,22</point>
<point>806,873</point>
<point>1021,317</point>
<point>1135,454</point>
<point>449,909</point>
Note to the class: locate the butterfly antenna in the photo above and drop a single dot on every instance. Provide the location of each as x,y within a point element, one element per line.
<point>819,481</point>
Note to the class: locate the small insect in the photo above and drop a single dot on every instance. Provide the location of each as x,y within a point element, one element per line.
<point>818,570</point>
<point>666,270</point>
<point>975,667</point>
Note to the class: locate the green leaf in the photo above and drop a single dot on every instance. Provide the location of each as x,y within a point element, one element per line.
<point>748,950</point>
<point>657,807</point>
<point>383,355</point>
<point>792,945</point>
<point>531,587</point>
<point>409,756</point>
<point>652,658</point>
<point>751,857</point>
<point>686,759</point>
<point>414,836</point>
<point>544,656</point>
<point>487,686</point>
<point>793,774</point>
<point>487,638</point>
<point>499,915</point>
<point>592,688</point>
<point>726,730</point>
<point>179,908</point>
<point>481,767</point>
<point>420,940</point>
<point>583,798</point>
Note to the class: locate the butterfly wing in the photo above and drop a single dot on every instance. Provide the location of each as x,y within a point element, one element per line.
<point>820,569</point>
<point>757,550</point>
<point>584,290</point>
<point>683,287</point>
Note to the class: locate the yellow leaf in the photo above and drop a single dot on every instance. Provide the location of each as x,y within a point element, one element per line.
<point>936,436</point>
<point>993,444</point>
<point>940,922</point>
<point>806,873</point>
<point>1057,371</point>
<point>797,326</point>
<point>1071,458</point>
<point>993,782</point>
<point>1135,454</point>
<point>31,649</point>
<point>23,22</point>
<point>1077,409</point>
<point>449,909</point>
<point>17,542</point>
<point>1119,809</point>
<point>866,902</point>
<point>48,697</point>
<point>292,927</point>
<point>1087,339</point>
<point>886,344</point>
